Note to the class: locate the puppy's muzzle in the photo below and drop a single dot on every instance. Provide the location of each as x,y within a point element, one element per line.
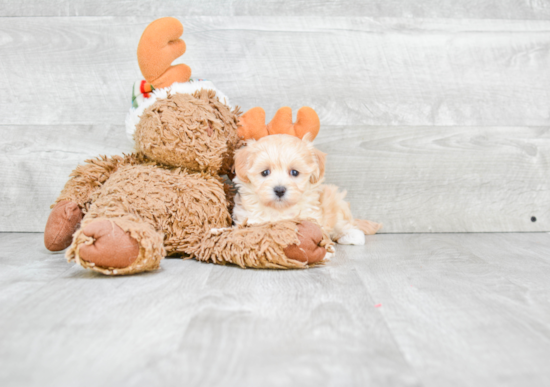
<point>279,191</point>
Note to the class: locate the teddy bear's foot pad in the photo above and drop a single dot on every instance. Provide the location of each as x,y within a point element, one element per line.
<point>62,223</point>
<point>112,246</point>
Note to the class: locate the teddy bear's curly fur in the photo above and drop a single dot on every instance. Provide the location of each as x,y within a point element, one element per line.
<point>128,212</point>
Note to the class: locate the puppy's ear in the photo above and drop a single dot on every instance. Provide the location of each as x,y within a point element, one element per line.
<point>320,158</point>
<point>308,137</point>
<point>241,163</point>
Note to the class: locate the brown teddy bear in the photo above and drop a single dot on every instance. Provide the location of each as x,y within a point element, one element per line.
<point>123,214</point>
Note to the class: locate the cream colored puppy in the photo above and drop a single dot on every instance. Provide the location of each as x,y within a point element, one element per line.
<point>280,177</point>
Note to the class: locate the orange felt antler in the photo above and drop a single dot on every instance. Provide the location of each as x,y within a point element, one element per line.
<point>252,123</point>
<point>158,47</point>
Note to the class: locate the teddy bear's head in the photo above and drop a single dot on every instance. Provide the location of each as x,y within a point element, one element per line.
<point>193,131</point>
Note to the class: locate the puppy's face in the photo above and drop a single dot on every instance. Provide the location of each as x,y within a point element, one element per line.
<point>279,168</point>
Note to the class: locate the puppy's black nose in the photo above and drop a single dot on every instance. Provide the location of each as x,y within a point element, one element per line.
<point>279,191</point>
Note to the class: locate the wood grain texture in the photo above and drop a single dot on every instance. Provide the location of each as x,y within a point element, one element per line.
<point>465,309</point>
<point>395,97</point>
<point>36,163</point>
<point>190,323</point>
<point>472,9</point>
<point>408,310</point>
<point>443,179</point>
<point>395,71</point>
<point>411,179</point>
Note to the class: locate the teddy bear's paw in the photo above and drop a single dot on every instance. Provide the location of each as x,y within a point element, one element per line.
<point>111,246</point>
<point>309,249</point>
<point>63,221</point>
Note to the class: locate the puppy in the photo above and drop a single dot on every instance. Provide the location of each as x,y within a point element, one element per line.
<point>280,177</point>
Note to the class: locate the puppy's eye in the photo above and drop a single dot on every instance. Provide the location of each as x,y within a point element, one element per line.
<point>266,173</point>
<point>294,173</point>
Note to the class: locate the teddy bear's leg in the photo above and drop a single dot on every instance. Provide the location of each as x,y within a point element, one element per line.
<point>279,245</point>
<point>69,208</point>
<point>117,245</point>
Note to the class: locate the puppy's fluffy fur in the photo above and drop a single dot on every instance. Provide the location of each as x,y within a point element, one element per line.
<point>280,177</point>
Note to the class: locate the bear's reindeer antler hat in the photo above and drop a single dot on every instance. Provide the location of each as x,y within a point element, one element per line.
<point>159,46</point>
<point>252,123</point>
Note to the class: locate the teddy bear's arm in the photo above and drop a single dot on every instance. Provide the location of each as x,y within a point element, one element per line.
<point>279,245</point>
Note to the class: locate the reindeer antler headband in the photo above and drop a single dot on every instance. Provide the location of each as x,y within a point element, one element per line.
<point>252,123</point>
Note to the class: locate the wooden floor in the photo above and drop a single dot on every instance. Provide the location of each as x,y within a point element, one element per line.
<point>406,309</point>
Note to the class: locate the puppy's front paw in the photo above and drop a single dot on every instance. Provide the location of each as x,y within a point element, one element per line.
<point>352,237</point>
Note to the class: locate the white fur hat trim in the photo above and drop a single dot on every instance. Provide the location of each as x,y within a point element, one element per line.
<point>134,115</point>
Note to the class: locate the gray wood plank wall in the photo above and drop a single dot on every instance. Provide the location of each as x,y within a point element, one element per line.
<point>452,9</point>
<point>435,114</point>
